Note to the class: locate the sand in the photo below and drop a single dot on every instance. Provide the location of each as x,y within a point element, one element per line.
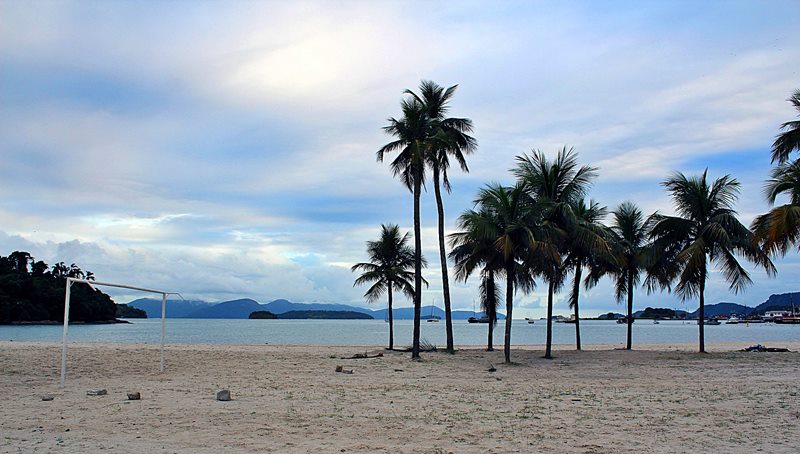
<point>289,399</point>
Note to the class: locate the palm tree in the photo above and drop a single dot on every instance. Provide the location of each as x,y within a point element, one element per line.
<point>789,139</point>
<point>450,137</point>
<point>586,246</point>
<point>470,250</point>
<point>505,219</point>
<point>412,131</point>
<point>777,231</point>
<point>388,269</point>
<point>705,231</point>
<point>555,186</point>
<point>630,231</point>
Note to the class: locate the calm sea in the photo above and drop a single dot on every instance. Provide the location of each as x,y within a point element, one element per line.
<point>375,332</point>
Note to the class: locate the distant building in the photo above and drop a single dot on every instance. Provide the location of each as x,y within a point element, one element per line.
<point>774,314</point>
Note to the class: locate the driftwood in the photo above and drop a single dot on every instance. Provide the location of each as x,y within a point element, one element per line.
<point>761,348</point>
<point>362,356</point>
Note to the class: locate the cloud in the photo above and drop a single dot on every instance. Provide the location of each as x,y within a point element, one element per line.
<point>229,150</point>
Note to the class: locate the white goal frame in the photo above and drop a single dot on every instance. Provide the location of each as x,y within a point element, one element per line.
<point>72,280</point>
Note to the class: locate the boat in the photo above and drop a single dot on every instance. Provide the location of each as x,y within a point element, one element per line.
<point>529,320</point>
<point>432,318</point>
<point>788,320</point>
<point>710,321</point>
<point>656,322</point>
<point>624,320</point>
<point>733,320</point>
<point>483,319</point>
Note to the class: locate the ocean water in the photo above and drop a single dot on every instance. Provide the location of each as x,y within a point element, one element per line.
<point>375,332</point>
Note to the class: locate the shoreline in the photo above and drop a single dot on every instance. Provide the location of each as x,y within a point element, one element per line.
<point>689,347</point>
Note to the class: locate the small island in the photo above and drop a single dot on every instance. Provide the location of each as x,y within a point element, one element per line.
<point>325,315</point>
<point>125,311</point>
<point>262,315</point>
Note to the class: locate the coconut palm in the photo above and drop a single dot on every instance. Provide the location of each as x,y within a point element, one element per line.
<point>471,250</point>
<point>788,140</point>
<point>450,138</point>
<point>390,259</point>
<point>630,231</point>
<point>777,231</point>
<point>412,131</point>
<point>586,246</point>
<point>505,219</point>
<point>706,231</point>
<point>555,186</point>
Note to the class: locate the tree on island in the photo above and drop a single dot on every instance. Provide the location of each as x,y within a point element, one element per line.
<point>31,292</point>
<point>705,231</point>
<point>388,269</point>
<point>262,315</point>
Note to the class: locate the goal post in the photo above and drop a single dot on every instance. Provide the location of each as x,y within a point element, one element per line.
<point>72,280</point>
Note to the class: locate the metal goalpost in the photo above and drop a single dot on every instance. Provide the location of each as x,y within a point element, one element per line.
<point>71,280</point>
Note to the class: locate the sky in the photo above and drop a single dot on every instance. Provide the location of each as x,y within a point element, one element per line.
<point>226,150</point>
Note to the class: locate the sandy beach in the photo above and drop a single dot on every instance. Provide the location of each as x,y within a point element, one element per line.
<point>657,398</point>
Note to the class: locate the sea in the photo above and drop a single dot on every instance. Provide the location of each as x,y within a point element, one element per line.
<point>375,332</point>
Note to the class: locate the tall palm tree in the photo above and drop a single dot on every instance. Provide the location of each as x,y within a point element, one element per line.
<point>411,132</point>
<point>630,231</point>
<point>390,258</point>
<point>555,186</point>
<point>450,138</point>
<point>504,217</point>
<point>705,231</point>
<point>788,140</point>
<point>586,246</point>
<point>777,231</point>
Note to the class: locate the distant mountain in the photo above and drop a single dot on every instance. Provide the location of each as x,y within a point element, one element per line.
<point>713,310</point>
<point>175,308</point>
<point>778,302</point>
<point>230,309</point>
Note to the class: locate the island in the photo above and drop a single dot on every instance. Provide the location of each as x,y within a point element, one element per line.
<point>262,315</point>
<point>325,315</point>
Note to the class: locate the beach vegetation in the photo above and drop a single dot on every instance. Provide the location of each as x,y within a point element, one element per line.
<point>449,138</point>
<point>32,291</point>
<point>555,186</point>
<point>779,230</point>
<point>705,231</point>
<point>388,269</point>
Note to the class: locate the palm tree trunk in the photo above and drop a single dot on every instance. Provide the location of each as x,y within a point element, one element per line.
<point>702,315</point>
<point>509,307</point>
<point>630,309</point>
<point>576,288</point>
<point>549,341</point>
<point>417,260</point>
<point>443,258</point>
<point>489,346</point>
<point>391,319</point>
<point>490,287</point>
